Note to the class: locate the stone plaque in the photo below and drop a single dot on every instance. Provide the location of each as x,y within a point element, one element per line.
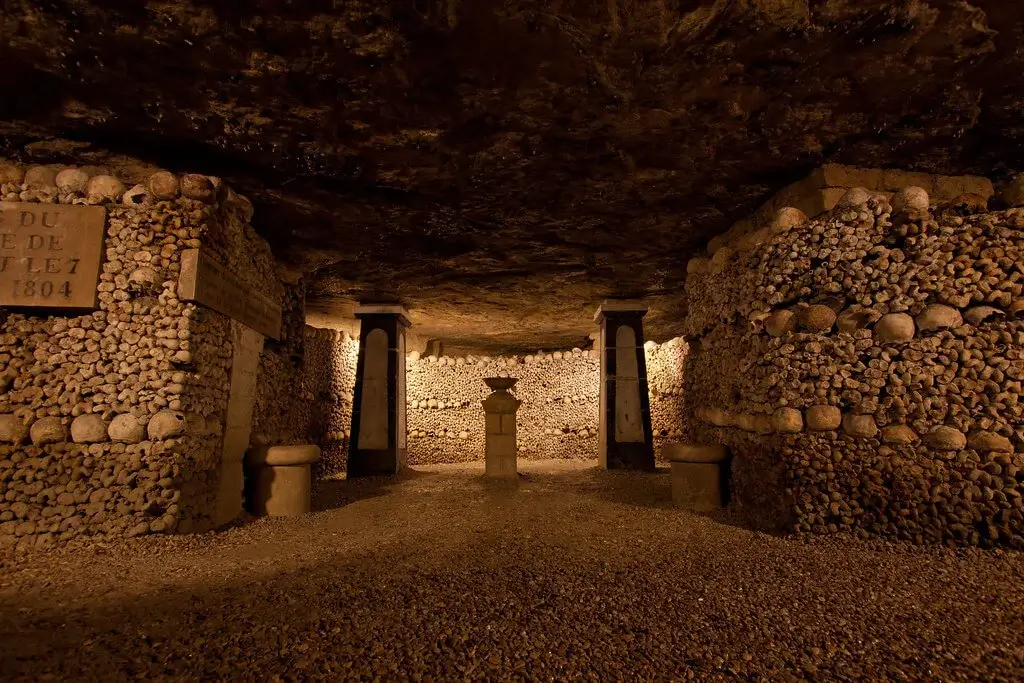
<point>628,424</point>
<point>373,410</point>
<point>206,282</point>
<point>50,255</point>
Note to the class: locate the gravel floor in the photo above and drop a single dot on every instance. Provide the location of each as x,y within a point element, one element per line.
<point>571,573</point>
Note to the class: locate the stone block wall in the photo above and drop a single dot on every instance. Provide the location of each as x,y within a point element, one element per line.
<point>445,418</point>
<point>111,420</point>
<point>865,370</point>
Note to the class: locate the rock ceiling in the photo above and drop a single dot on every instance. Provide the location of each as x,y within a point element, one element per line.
<point>502,166</point>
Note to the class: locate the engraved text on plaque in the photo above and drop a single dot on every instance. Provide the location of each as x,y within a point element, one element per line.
<point>50,255</point>
<point>206,282</point>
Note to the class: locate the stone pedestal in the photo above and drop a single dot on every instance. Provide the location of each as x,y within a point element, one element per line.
<point>696,476</point>
<point>626,439</point>
<point>378,410</point>
<point>500,408</point>
<point>281,479</point>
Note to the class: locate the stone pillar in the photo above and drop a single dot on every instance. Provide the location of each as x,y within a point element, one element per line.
<point>378,409</point>
<point>500,428</point>
<point>626,439</point>
<point>247,344</point>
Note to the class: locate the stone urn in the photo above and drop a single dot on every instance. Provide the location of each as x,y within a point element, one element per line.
<point>500,429</point>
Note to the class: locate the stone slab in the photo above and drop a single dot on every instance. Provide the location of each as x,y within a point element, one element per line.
<point>695,453</point>
<point>247,345</point>
<point>894,180</point>
<point>836,175</point>
<point>824,187</point>
<point>951,187</point>
<point>50,255</point>
<point>625,306</point>
<point>383,309</point>
<point>374,407</point>
<point>206,282</point>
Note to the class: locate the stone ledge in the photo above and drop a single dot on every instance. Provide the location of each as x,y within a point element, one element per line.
<point>695,453</point>
<point>280,456</point>
<point>822,189</point>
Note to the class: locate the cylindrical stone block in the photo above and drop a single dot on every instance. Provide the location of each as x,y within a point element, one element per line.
<point>283,491</point>
<point>283,482</point>
<point>697,486</point>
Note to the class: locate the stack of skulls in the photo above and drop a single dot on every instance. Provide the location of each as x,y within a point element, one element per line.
<point>557,419</point>
<point>559,390</point>
<point>864,369</point>
<point>110,421</point>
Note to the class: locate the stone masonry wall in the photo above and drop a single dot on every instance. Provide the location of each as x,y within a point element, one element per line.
<point>865,369</point>
<point>111,420</point>
<point>445,419</point>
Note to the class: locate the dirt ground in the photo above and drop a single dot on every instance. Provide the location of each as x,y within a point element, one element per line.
<point>569,573</point>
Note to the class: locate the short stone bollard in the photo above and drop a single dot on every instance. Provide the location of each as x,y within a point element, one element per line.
<point>500,428</point>
<point>282,482</point>
<point>696,475</point>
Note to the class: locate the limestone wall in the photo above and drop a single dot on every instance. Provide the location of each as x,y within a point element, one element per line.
<point>445,419</point>
<point>865,368</point>
<point>111,421</point>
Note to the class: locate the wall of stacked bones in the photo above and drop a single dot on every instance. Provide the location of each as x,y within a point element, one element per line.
<point>865,369</point>
<point>558,417</point>
<point>111,420</point>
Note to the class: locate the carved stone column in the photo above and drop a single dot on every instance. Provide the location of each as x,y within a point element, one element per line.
<point>500,428</point>
<point>626,439</point>
<point>378,409</point>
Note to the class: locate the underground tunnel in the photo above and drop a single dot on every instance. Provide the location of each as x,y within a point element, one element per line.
<point>568,304</point>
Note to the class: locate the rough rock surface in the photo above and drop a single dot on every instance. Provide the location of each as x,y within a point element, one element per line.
<point>500,166</point>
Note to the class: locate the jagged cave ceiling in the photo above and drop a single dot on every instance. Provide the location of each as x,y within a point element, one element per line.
<point>502,166</point>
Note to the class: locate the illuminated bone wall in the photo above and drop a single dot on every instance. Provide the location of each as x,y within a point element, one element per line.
<point>445,419</point>
<point>865,368</point>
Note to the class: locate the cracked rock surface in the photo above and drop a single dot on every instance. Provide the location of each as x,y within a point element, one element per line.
<point>501,166</point>
<point>572,574</point>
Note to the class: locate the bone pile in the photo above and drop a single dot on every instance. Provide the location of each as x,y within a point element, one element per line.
<point>558,418</point>
<point>865,369</point>
<point>111,421</point>
<point>328,374</point>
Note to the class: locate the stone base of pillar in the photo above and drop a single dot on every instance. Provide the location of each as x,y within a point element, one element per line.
<point>628,456</point>
<point>282,485</point>
<point>696,476</point>
<point>366,463</point>
<point>500,465</point>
